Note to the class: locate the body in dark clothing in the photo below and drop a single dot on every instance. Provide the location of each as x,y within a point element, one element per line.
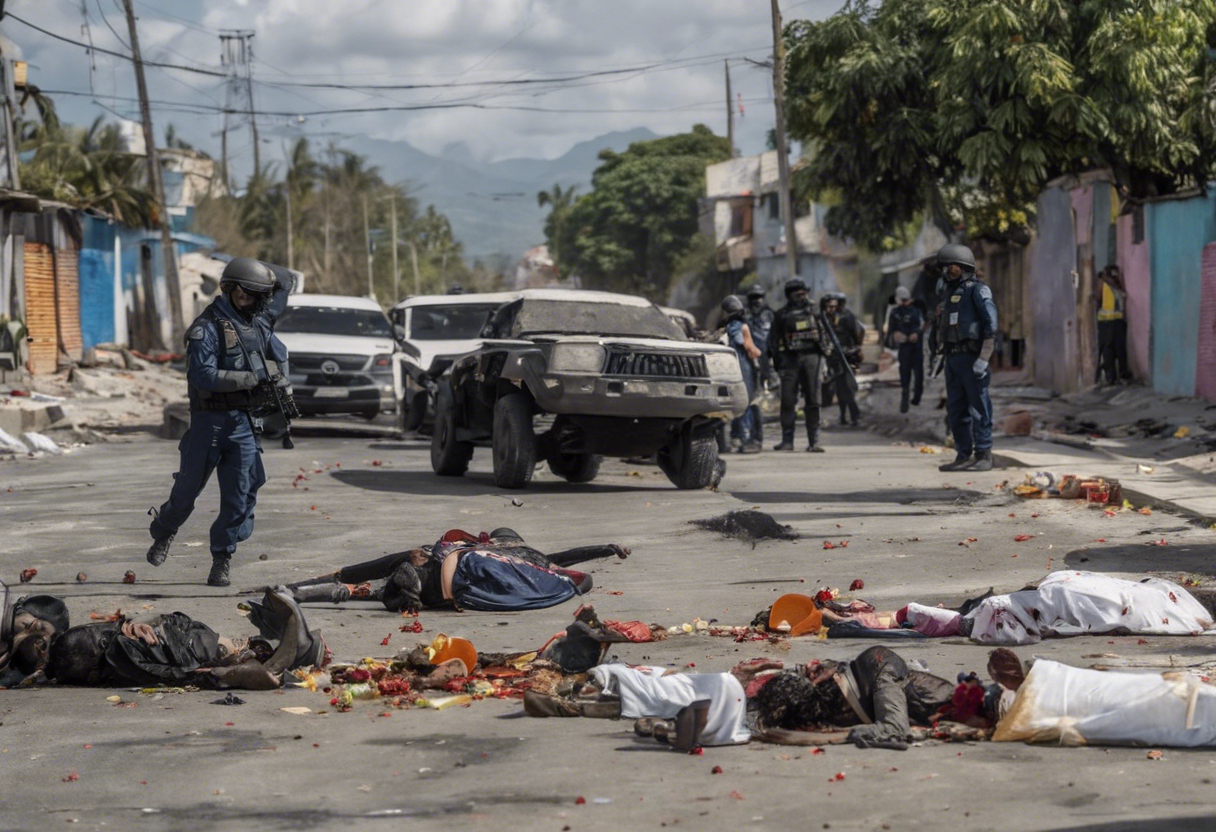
<point>850,333</point>
<point>905,334</point>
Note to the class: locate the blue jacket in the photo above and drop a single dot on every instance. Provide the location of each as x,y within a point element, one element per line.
<point>969,313</point>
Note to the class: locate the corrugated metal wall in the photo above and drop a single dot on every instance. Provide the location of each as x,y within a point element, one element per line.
<point>1205,371</point>
<point>67,301</point>
<point>40,309</point>
<point>1177,231</point>
<point>1137,279</point>
<point>1053,299</point>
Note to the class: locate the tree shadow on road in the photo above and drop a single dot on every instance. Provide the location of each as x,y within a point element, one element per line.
<point>1192,824</point>
<point>1139,557</point>
<point>405,482</point>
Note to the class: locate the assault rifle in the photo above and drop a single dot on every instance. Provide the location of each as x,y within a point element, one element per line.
<point>838,364</point>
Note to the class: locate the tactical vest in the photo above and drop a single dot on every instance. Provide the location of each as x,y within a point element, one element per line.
<point>959,315</point>
<point>242,348</point>
<point>801,329</point>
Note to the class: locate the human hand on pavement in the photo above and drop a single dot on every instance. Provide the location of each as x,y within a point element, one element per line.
<point>139,632</point>
<point>980,368</point>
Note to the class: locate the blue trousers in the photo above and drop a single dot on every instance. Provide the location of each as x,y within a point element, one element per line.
<point>744,428</point>
<point>912,367</point>
<point>223,442</point>
<point>968,406</point>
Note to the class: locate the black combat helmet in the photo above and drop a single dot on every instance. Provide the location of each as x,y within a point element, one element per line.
<point>732,307</point>
<point>757,291</point>
<point>796,284</point>
<point>956,255</point>
<point>251,275</point>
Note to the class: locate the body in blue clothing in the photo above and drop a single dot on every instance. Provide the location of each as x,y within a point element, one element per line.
<point>230,349</point>
<point>905,334</point>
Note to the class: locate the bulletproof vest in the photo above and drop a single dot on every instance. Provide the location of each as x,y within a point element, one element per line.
<point>959,316</point>
<point>760,323</point>
<point>801,328</point>
<point>242,348</point>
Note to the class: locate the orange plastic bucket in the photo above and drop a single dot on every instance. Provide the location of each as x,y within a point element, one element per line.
<point>457,648</point>
<point>799,612</point>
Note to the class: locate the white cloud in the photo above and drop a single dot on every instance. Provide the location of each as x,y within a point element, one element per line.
<point>435,42</point>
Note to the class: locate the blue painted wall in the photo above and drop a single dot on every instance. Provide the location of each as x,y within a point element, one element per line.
<point>1177,232</point>
<point>97,281</point>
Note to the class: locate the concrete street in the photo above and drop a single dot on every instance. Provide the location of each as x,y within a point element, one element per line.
<point>176,761</point>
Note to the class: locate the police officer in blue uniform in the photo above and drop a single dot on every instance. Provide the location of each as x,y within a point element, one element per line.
<point>796,345</point>
<point>230,349</point>
<point>968,336</point>
<point>759,319</point>
<point>905,335</point>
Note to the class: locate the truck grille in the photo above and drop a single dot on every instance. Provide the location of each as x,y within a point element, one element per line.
<point>656,365</point>
<point>312,361</point>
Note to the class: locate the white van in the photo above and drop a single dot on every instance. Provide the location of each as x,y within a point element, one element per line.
<point>341,354</point>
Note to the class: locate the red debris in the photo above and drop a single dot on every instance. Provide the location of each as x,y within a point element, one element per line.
<point>81,577</point>
<point>416,627</point>
<point>71,778</point>
<point>384,641</point>
<point>823,596</point>
<point>844,544</point>
<point>27,575</point>
<point>1036,514</point>
<point>1141,641</point>
<point>827,544</point>
<point>580,801</point>
<point>1022,537</point>
<point>229,724</point>
<point>377,463</point>
<point>1161,542</point>
<point>129,577</point>
<point>716,770</point>
<point>817,751</point>
<point>839,776</point>
<point>857,584</point>
<point>698,751</point>
<point>736,795</point>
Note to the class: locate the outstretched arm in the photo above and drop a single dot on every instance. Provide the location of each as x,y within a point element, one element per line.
<point>581,554</point>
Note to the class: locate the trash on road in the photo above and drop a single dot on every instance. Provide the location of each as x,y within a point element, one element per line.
<point>747,525</point>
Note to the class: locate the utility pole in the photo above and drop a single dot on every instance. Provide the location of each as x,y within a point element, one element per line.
<point>367,243</point>
<point>783,160</point>
<point>291,249</point>
<point>417,276</point>
<point>730,112</point>
<point>396,271</point>
<point>157,184</point>
<point>237,56</point>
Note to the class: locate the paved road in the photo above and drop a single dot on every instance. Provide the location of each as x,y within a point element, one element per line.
<point>175,761</point>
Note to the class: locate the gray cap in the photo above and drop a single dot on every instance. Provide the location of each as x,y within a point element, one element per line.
<point>902,293</point>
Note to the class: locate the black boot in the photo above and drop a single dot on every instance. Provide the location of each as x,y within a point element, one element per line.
<point>960,462</point>
<point>903,401</point>
<point>787,441</point>
<point>982,461</point>
<point>219,569</point>
<point>916,398</point>
<point>159,550</point>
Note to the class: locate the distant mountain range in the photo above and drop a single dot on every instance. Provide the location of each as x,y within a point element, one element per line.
<point>492,205</point>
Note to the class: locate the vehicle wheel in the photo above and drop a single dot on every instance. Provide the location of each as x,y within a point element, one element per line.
<point>690,463</point>
<point>369,415</point>
<point>415,411</point>
<point>575,467</point>
<point>514,441</point>
<point>449,458</point>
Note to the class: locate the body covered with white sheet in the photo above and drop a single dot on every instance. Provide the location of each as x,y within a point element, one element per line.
<point>1081,603</point>
<point>1075,706</point>
<point>647,692</point>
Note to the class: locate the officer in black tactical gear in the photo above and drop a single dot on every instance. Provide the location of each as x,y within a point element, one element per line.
<point>796,347</point>
<point>759,320</point>
<point>231,349</point>
<point>968,327</point>
<point>850,334</point>
<point>905,335</point>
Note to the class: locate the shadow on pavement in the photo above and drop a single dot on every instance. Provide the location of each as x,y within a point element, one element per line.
<point>1140,557</point>
<point>900,496</point>
<point>404,482</point>
<point>1191,824</point>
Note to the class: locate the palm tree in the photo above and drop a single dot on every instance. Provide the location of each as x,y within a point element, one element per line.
<point>560,200</point>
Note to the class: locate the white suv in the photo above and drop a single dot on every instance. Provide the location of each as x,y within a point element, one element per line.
<point>434,330</point>
<point>341,354</point>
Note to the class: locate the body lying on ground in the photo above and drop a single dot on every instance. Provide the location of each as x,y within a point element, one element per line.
<point>28,626</point>
<point>174,649</point>
<point>876,697</point>
<point>1065,603</point>
<point>496,571</point>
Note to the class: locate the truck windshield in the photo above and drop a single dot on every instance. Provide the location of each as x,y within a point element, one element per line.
<point>334,320</point>
<point>457,322</point>
<point>571,317</point>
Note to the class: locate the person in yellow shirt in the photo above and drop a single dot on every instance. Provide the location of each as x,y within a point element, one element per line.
<point>1111,300</point>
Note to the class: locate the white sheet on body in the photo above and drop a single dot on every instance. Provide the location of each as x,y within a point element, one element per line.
<point>645,691</point>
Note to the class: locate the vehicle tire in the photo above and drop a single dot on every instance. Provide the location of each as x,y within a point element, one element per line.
<point>369,415</point>
<point>690,463</point>
<point>415,411</point>
<point>575,467</point>
<point>514,442</point>
<point>449,458</point>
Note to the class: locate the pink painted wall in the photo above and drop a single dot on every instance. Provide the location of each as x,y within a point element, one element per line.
<point>1205,366</point>
<point>1137,276</point>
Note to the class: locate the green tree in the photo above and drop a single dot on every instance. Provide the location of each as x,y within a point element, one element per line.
<point>910,106</point>
<point>641,214</point>
<point>560,200</point>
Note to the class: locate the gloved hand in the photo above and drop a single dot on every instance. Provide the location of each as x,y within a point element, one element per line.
<point>980,368</point>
